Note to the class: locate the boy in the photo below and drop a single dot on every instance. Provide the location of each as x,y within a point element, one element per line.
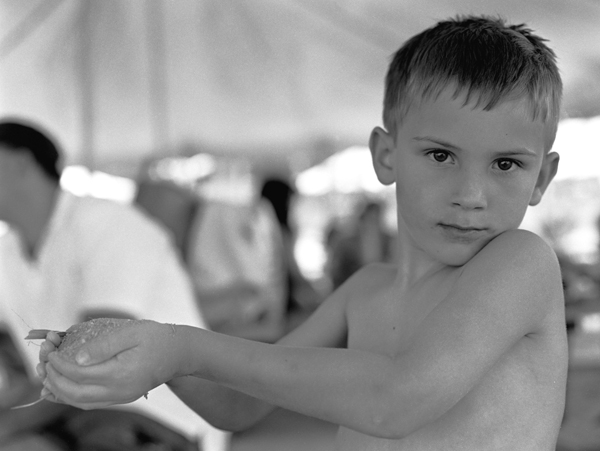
<point>462,344</point>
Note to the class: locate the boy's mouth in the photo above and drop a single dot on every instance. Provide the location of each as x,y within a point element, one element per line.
<point>461,233</point>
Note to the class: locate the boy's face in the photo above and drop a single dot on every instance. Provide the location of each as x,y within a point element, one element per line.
<point>463,176</point>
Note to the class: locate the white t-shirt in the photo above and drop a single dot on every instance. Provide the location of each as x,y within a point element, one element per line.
<point>98,254</point>
<point>239,243</point>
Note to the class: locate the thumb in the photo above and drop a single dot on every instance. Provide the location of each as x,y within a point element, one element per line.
<point>104,348</point>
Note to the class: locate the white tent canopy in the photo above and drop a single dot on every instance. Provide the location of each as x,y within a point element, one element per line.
<point>286,82</point>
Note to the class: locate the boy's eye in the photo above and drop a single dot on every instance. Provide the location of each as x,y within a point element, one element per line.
<point>505,165</point>
<point>439,155</point>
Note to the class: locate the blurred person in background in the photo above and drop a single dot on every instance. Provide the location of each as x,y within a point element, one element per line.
<point>236,266</point>
<point>301,295</point>
<point>365,242</point>
<point>243,267</point>
<point>65,259</point>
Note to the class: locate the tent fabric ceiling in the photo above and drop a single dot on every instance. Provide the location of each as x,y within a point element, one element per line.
<point>286,82</point>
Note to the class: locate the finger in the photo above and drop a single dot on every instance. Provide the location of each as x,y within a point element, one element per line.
<point>105,347</point>
<point>46,348</point>
<point>49,396</point>
<point>80,374</point>
<point>40,369</point>
<point>54,338</point>
<point>64,391</point>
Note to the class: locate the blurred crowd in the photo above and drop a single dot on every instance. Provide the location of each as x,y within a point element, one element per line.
<point>581,282</point>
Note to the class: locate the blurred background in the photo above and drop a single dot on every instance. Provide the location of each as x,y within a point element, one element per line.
<point>183,106</point>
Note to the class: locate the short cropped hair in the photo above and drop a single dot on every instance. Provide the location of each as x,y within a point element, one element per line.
<point>482,58</point>
<point>19,136</point>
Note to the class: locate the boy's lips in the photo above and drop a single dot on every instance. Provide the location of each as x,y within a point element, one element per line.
<point>463,233</point>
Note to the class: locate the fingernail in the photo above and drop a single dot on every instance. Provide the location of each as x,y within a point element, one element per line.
<point>82,358</point>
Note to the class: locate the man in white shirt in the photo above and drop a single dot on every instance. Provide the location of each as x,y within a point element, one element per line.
<point>66,259</point>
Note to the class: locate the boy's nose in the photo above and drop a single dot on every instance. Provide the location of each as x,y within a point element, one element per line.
<point>470,192</point>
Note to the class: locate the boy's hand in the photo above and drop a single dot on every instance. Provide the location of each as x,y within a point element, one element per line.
<point>50,344</point>
<point>112,369</point>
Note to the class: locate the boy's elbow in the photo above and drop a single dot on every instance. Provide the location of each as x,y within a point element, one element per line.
<point>392,426</point>
<point>402,411</point>
<point>388,419</point>
<point>389,426</point>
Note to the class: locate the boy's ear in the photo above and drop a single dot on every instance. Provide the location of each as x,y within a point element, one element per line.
<point>382,149</point>
<point>547,173</point>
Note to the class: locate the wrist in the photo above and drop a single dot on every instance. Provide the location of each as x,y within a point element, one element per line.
<point>180,350</point>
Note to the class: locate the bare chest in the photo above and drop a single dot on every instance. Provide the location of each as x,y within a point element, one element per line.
<point>384,321</point>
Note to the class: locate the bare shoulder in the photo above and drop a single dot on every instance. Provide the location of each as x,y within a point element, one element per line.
<point>519,243</point>
<point>521,254</point>
<point>523,268</point>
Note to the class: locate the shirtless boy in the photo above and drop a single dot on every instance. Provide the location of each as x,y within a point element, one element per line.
<point>462,344</point>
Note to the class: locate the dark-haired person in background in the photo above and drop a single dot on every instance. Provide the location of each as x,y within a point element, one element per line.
<point>301,294</point>
<point>66,258</point>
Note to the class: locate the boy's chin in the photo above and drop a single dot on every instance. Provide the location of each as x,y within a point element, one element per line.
<point>459,255</point>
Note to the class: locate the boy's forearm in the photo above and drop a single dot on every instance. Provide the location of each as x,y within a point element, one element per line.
<point>341,386</point>
<point>222,407</point>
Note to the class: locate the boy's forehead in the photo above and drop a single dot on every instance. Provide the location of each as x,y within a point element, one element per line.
<point>460,97</point>
<point>452,118</point>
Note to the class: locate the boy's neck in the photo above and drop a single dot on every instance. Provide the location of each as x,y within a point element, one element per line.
<point>413,264</point>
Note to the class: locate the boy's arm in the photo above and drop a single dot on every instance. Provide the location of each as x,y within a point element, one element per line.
<point>503,295</point>
<point>220,406</point>
<point>232,410</point>
<point>223,407</point>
